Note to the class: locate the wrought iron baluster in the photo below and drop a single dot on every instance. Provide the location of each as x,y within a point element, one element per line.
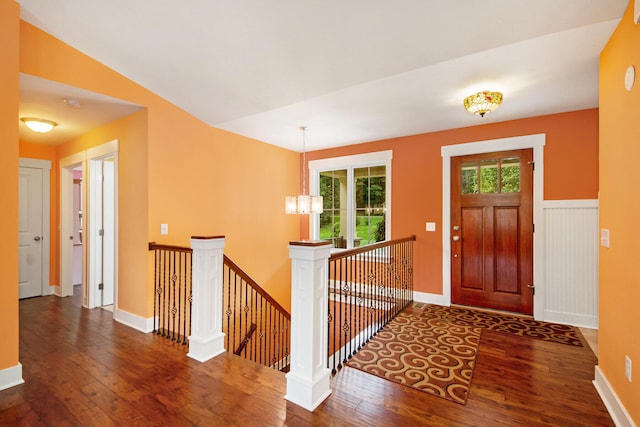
<point>180,284</point>
<point>155,290</point>
<point>164,294</point>
<point>228,310</point>
<point>173,298</point>
<point>262,323</point>
<point>235,308</point>
<point>187,299</point>
<point>254,317</point>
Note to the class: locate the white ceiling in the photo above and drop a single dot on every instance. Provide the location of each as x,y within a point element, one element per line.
<point>351,71</point>
<point>43,98</point>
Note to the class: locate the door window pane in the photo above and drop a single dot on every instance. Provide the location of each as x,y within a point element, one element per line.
<point>469,173</point>
<point>333,219</point>
<point>489,176</point>
<point>510,175</point>
<point>370,198</point>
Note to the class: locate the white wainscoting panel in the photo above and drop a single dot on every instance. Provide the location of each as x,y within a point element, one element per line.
<point>571,262</point>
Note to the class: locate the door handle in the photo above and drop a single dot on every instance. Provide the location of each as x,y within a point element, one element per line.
<point>37,238</point>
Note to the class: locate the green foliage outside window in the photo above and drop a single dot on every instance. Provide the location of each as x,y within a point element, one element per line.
<point>483,177</point>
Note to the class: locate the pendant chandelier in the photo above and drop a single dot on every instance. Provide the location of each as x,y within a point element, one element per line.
<point>303,203</point>
<point>483,102</point>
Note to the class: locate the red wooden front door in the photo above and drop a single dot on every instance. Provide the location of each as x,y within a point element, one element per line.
<point>492,230</point>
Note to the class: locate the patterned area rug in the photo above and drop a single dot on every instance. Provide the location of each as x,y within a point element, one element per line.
<point>424,351</point>
<point>433,348</point>
<point>499,322</point>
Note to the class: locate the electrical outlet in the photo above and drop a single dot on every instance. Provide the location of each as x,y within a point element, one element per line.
<point>627,367</point>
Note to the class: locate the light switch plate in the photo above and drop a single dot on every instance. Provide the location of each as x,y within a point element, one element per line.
<point>431,226</point>
<point>604,237</point>
<point>164,229</point>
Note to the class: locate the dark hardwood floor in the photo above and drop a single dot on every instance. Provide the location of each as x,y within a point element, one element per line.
<point>82,368</point>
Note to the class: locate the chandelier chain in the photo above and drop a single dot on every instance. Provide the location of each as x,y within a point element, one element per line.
<point>304,160</point>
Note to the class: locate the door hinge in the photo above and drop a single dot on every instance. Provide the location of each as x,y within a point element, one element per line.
<point>100,286</point>
<point>100,232</point>
<point>533,228</point>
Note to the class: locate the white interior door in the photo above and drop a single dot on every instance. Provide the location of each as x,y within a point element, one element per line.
<point>101,232</point>
<point>30,233</point>
<point>108,225</point>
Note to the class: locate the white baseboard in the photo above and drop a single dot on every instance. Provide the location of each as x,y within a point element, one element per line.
<point>134,321</point>
<point>11,377</point>
<point>580,320</point>
<point>429,298</point>
<point>619,414</point>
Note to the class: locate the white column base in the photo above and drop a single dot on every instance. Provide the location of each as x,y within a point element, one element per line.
<point>306,394</point>
<point>11,377</point>
<point>203,349</point>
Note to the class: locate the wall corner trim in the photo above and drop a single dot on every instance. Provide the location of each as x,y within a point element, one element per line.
<point>11,377</point>
<point>428,298</point>
<point>134,321</point>
<point>619,414</point>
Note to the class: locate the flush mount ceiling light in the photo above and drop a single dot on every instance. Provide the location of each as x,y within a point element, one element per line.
<point>483,102</point>
<point>39,125</point>
<point>303,203</point>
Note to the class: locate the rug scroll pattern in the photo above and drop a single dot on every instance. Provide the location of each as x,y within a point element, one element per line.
<point>423,351</point>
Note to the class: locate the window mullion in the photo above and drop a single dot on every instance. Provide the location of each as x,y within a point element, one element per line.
<point>351,193</point>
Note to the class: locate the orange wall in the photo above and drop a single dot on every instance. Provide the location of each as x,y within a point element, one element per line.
<point>570,168</point>
<point>619,212</point>
<point>9,81</point>
<point>48,152</point>
<point>198,179</point>
<point>131,133</point>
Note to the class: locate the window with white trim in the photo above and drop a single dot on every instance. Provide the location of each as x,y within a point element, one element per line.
<point>356,193</point>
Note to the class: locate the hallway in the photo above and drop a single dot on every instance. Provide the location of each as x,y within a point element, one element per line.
<point>82,368</point>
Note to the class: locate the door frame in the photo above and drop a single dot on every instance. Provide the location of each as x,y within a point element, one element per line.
<point>536,142</point>
<point>67,164</point>
<point>101,152</point>
<point>45,165</point>
<point>83,158</point>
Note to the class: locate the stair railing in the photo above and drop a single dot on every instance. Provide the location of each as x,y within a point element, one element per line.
<point>256,326</point>
<point>172,292</point>
<point>367,287</point>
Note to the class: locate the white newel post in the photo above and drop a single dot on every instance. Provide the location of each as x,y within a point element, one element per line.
<point>206,340</point>
<point>308,377</point>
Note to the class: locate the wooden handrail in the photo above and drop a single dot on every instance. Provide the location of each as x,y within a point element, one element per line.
<point>155,246</point>
<point>232,265</point>
<point>367,248</point>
